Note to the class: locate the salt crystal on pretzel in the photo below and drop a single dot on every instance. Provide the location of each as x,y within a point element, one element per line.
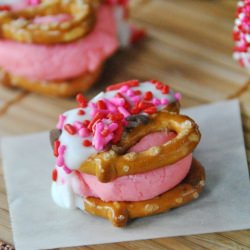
<point>113,153</point>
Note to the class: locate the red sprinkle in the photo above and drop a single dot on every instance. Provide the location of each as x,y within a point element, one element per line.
<point>236,35</point>
<point>86,123</point>
<point>137,35</point>
<point>150,110</point>
<point>56,146</point>
<point>70,129</point>
<point>54,175</point>
<point>82,101</point>
<point>153,81</point>
<point>5,8</point>
<point>115,116</point>
<point>143,105</point>
<point>86,143</point>
<point>96,118</point>
<point>135,111</point>
<point>81,112</point>
<point>148,96</point>
<point>101,104</point>
<point>121,2</point>
<point>159,85</point>
<point>137,92</point>
<point>165,89</point>
<point>131,83</point>
<point>105,132</point>
<point>126,104</point>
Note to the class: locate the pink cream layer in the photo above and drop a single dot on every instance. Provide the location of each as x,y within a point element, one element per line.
<point>140,186</point>
<point>62,61</point>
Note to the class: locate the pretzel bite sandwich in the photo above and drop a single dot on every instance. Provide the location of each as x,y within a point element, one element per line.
<point>126,153</point>
<point>57,47</point>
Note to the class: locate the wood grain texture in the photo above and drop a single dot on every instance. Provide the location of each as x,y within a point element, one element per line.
<point>189,46</point>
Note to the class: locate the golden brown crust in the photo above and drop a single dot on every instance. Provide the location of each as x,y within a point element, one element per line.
<point>65,88</point>
<point>120,212</point>
<point>109,165</point>
<point>173,107</point>
<point>19,26</point>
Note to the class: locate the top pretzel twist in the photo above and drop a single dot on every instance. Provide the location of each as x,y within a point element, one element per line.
<point>110,164</point>
<point>19,25</point>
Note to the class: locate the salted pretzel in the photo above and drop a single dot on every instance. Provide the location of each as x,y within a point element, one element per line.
<point>127,153</point>
<point>64,88</point>
<point>109,165</point>
<point>19,25</point>
<point>119,213</point>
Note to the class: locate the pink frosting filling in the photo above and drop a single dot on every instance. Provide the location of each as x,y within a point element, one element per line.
<point>62,61</point>
<point>49,19</point>
<point>140,186</point>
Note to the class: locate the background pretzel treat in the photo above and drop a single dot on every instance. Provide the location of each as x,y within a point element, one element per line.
<point>58,47</point>
<point>241,35</point>
<point>126,153</point>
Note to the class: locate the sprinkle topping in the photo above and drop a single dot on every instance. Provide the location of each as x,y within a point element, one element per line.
<point>241,33</point>
<point>98,124</point>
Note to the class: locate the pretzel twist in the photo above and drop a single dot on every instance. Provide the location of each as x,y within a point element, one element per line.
<point>19,25</point>
<point>109,165</point>
<point>120,212</point>
<point>65,88</point>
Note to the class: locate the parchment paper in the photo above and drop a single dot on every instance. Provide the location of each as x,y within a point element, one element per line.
<point>224,205</point>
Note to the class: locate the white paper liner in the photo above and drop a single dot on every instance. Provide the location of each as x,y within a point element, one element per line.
<point>223,206</point>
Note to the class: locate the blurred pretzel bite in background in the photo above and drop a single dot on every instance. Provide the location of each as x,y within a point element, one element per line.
<point>126,153</point>
<point>58,48</point>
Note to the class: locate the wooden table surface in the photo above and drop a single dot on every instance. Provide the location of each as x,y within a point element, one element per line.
<point>188,46</point>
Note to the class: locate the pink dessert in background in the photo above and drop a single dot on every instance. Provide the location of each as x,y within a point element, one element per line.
<point>62,61</point>
<point>140,186</point>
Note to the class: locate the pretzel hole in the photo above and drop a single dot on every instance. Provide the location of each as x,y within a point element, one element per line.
<point>152,141</point>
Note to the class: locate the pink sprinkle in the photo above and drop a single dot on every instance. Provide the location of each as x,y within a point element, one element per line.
<point>156,101</point>
<point>83,132</point>
<point>66,169</point>
<point>177,96</point>
<point>60,161</point>
<point>111,107</point>
<point>98,141</point>
<point>108,138</point>
<point>135,98</point>
<point>33,2</point>
<point>93,112</point>
<point>112,127</point>
<point>130,93</point>
<point>164,101</point>
<point>123,111</point>
<point>61,149</point>
<point>124,88</point>
<point>92,105</point>
<point>99,126</point>
<point>117,101</point>
<point>78,125</point>
<point>61,121</point>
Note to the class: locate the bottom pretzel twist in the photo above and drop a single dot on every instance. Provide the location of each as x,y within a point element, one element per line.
<point>65,88</point>
<point>120,212</point>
